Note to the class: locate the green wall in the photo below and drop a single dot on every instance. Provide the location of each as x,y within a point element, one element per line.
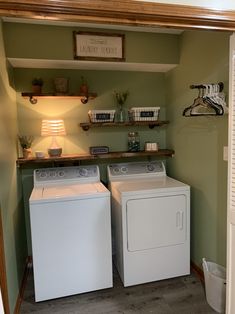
<point>199,141</point>
<point>10,193</point>
<point>56,42</point>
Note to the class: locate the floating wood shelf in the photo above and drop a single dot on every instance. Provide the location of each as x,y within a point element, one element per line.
<point>79,157</point>
<point>87,125</point>
<point>33,97</point>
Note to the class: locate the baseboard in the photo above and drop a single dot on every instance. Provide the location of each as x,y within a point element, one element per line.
<point>198,271</point>
<point>28,265</point>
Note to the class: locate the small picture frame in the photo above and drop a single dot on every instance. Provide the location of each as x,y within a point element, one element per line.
<point>99,46</point>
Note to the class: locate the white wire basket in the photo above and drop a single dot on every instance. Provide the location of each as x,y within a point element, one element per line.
<point>100,116</point>
<point>144,113</point>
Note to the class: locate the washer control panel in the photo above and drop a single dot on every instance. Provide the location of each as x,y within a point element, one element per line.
<point>155,168</point>
<point>78,173</point>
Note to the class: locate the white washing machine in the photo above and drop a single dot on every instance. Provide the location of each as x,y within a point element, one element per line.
<point>71,232</point>
<point>150,222</point>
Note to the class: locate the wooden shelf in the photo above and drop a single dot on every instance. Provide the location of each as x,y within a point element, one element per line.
<point>33,97</point>
<point>79,157</point>
<point>87,125</point>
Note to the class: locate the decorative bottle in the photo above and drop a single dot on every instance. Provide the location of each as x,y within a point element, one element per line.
<point>133,142</point>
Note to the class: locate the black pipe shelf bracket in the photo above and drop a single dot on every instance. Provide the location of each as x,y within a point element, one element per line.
<point>204,86</point>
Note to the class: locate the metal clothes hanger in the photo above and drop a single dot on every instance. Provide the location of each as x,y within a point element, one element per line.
<point>208,101</point>
<point>212,98</point>
<point>201,106</point>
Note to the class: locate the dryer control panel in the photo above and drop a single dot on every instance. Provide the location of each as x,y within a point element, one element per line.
<point>67,174</point>
<point>136,169</point>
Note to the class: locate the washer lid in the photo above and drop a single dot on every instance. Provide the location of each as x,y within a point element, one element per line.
<point>151,185</point>
<point>68,192</point>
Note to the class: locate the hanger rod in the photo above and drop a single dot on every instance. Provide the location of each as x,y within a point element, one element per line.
<point>221,86</point>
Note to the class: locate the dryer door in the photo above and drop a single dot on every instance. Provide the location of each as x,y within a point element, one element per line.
<point>156,222</point>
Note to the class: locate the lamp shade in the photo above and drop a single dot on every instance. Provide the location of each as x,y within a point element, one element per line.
<point>53,128</point>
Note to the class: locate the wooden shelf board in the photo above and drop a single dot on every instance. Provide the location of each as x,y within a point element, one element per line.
<point>78,157</point>
<point>87,125</point>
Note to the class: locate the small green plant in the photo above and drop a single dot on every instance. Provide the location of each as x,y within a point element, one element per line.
<point>121,97</point>
<point>37,81</point>
<point>25,141</point>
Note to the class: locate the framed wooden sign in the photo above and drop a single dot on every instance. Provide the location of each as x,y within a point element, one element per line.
<point>99,46</point>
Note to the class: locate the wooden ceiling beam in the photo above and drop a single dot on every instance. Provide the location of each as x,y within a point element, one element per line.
<point>121,12</point>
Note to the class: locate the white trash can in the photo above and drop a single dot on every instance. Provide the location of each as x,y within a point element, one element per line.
<point>215,282</point>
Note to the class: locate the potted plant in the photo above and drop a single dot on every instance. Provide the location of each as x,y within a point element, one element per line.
<point>26,143</point>
<point>37,84</point>
<point>84,86</point>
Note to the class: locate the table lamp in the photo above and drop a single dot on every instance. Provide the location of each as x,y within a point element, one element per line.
<point>53,128</point>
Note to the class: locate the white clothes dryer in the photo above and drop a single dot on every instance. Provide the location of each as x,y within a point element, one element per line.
<point>150,222</point>
<point>71,232</point>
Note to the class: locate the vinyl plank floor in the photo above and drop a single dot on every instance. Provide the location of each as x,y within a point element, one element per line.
<point>182,295</point>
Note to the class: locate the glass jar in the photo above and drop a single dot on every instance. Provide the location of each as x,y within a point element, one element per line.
<point>133,142</point>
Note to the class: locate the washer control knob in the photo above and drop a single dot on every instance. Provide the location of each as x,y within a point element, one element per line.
<point>150,168</point>
<point>83,172</point>
<point>116,170</point>
<point>42,174</point>
<point>61,174</point>
<point>124,169</point>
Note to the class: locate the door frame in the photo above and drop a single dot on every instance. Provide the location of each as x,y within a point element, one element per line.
<point>113,12</point>
<point>230,304</point>
<point>3,277</point>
